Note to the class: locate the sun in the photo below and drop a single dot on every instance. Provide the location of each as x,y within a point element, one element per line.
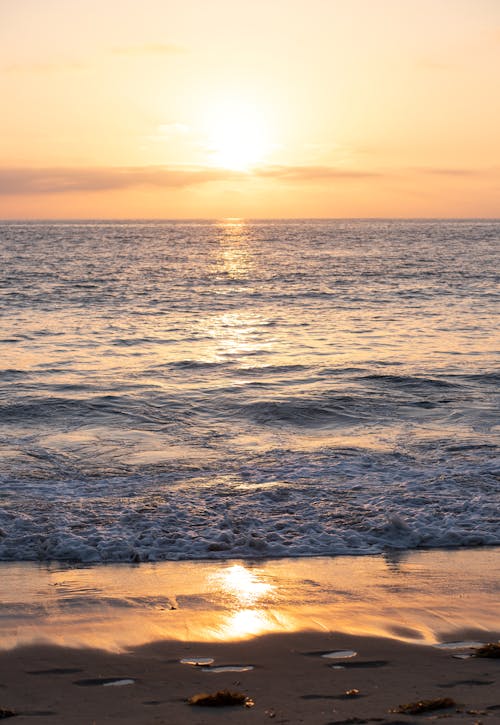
<point>238,136</point>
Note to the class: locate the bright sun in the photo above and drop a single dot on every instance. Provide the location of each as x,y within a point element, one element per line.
<point>238,136</point>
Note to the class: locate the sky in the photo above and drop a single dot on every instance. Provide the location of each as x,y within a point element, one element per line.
<point>249,108</point>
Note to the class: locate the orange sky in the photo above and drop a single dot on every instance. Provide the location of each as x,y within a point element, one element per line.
<point>261,108</point>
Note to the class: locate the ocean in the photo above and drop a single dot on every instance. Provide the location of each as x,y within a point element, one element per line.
<point>214,390</point>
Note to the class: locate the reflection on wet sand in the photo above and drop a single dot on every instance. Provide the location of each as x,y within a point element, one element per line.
<point>240,585</point>
<point>427,596</point>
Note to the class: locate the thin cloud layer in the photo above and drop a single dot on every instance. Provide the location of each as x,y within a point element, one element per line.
<point>312,173</point>
<point>64,180</point>
<point>26,181</point>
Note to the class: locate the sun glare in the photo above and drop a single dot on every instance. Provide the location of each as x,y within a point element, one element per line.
<point>238,136</point>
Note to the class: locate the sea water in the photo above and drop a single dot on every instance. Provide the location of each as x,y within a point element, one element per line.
<point>181,390</point>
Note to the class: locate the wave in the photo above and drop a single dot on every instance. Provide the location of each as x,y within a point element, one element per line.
<point>387,398</point>
<point>491,377</point>
<point>197,364</point>
<point>46,409</point>
<point>409,381</point>
<point>272,369</point>
<point>338,410</point>
<point>336,501</point>
<point>54,411</point>
<point>330,372</point>
<point>13,374</point>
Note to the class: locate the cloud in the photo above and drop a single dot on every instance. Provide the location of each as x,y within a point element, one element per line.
<point>149,49</point>
<point>449,172</point>
<point>65,180</point>
<point>457,172</point>
<point>314,173</point>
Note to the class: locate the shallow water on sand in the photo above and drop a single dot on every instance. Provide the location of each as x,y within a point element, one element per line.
<point>200,389</point>
<point>421,597</point>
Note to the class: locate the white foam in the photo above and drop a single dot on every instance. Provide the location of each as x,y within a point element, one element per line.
<point>323,503</point>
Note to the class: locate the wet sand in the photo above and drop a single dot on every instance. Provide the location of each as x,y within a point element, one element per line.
<point>418,597</point>
<point>67,634</point>
<point>290,683</point>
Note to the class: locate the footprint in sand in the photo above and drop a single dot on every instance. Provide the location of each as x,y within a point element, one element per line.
<point>105,682</point>
<point>340,654</point>
<point>367,664</point>
<point>56,671</point>
<point>463,644</point>
<point>348,695</point>
<point>197,661</point>
<point>467,647</point>
<point>229,668</point>
<point>467,683</point>
<point>37,713</point>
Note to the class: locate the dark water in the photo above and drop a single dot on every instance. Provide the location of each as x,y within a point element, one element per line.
<point>183,390</point>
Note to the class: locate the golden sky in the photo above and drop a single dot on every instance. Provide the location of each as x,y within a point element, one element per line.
<point>252,108</point>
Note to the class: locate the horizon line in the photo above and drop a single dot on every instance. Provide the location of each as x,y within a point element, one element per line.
<point>245,219</point>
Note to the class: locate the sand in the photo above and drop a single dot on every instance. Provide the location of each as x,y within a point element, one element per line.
<point>67,634</point>
<point>290,683</point>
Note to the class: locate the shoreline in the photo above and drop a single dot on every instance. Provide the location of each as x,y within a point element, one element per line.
<point>413,596</point>
<point>67,634</point>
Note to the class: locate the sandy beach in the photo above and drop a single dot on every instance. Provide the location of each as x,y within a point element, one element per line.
<point>290,683</point>
<point>104,644</point>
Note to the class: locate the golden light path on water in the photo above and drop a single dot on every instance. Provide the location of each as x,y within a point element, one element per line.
<point>235,333</point>
<point>418,597</point>
<point>235,258</point>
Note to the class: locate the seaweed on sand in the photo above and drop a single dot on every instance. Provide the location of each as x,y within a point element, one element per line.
<point>221,698</point>
<point>491,650</point>
<point>415,708</point>
<point>5,712</point>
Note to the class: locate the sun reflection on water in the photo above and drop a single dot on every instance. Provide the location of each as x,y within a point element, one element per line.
<point>237,334</point>
<point>234,257</point>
